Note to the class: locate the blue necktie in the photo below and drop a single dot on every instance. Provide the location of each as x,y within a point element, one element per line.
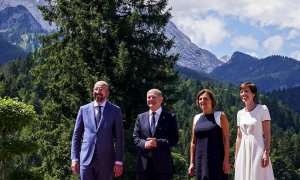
<point>153,123</point>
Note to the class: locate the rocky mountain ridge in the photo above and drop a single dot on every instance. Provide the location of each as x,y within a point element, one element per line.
<point>274,72</point>
<point>190,56</point>
<point>19,19</point>
<point>31,5</point>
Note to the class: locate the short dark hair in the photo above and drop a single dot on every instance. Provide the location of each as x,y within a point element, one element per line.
<point>210,94</point>
<point>251,86</point>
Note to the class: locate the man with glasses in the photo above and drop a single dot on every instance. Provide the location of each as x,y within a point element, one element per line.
<point>98,139</point>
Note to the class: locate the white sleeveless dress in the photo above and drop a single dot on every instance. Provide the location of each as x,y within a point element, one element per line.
<point>248,164</point>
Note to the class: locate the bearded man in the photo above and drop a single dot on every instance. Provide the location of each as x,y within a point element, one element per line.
<point>98,139</point>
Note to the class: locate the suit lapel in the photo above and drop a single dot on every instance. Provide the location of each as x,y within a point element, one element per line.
<point>91,114</point>
<point>160,121</point>
<point>146,123</point>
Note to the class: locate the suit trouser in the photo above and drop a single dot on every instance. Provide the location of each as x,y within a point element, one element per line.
<point>151,174</point>
<point>95,171</point>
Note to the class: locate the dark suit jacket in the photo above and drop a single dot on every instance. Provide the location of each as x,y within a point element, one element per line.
<point>108,137</point>
<point>166,134</point>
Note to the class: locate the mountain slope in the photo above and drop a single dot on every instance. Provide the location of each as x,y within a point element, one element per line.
<point>288,97</point>
<point>18,19</point>
<point>19,27</point>
<point>31,5</point>
<point>9,51</point>
<point>270,73</point>
<point>273,72</point>
<point>190,55</point>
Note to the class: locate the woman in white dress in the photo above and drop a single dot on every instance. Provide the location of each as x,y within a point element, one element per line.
<point>252,151</point>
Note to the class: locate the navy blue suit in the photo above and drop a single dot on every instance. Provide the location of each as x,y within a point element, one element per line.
<point>166,134</point>
<point>108,138</point>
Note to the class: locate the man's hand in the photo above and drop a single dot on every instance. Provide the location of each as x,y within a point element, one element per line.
<point>118,170</point>
<point>75,167</point>
<point>150,143</point>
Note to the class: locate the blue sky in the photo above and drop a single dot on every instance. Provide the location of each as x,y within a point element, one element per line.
<point>257,27</point>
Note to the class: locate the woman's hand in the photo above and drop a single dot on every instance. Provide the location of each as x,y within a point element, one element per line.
<point>226,167</point>
<point>191,171</point>
<point>265,159</point>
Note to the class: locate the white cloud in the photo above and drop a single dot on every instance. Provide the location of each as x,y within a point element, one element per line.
<point>283,14</point>
<point>246,42</point>
<point>293,34</point>
<point>296,55</point>
<point>208,31</point>
<point>273,44</point>
<point>210,23</point>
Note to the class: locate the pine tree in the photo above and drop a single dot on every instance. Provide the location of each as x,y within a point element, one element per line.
<point>120,41</point>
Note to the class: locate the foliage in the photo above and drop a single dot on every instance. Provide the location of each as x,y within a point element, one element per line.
<point>285,128</point>
<point>180,163</point>
<point>24,175</point>
<point>122,42</point>
<point>15,116</point>
<point>288,97</point>
<point>285,124</point>
<point>9,51</point>
<point>273,72</point>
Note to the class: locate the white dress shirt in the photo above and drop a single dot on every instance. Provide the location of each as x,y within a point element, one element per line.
<point>156,116</point>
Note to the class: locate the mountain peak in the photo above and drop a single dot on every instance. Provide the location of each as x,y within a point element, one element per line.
<point>190,55</point>
<point>242,57</point>
<point>238,53</point>
<point>273,72</point>
<point>31,6</point>
<point>225,58</point>
<point>19,18</point>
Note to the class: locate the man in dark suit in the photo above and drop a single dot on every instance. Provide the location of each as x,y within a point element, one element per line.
<point>98,138</point>
<point>154,133</point>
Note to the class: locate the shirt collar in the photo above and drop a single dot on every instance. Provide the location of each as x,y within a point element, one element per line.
<point>158,111</point>
<point>96,104</point>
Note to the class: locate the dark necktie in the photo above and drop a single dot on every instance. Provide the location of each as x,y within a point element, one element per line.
<point>98,116</point>
<point>153,123</point>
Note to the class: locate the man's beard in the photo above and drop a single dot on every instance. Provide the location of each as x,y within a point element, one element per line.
<point>99,98</point>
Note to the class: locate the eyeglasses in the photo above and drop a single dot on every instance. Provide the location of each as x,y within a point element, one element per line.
<point>99,89</point>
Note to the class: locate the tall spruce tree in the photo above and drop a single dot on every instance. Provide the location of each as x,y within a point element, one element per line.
<point>120,41</point>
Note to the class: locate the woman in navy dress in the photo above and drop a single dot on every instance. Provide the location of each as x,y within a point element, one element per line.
<point>209,153</point>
